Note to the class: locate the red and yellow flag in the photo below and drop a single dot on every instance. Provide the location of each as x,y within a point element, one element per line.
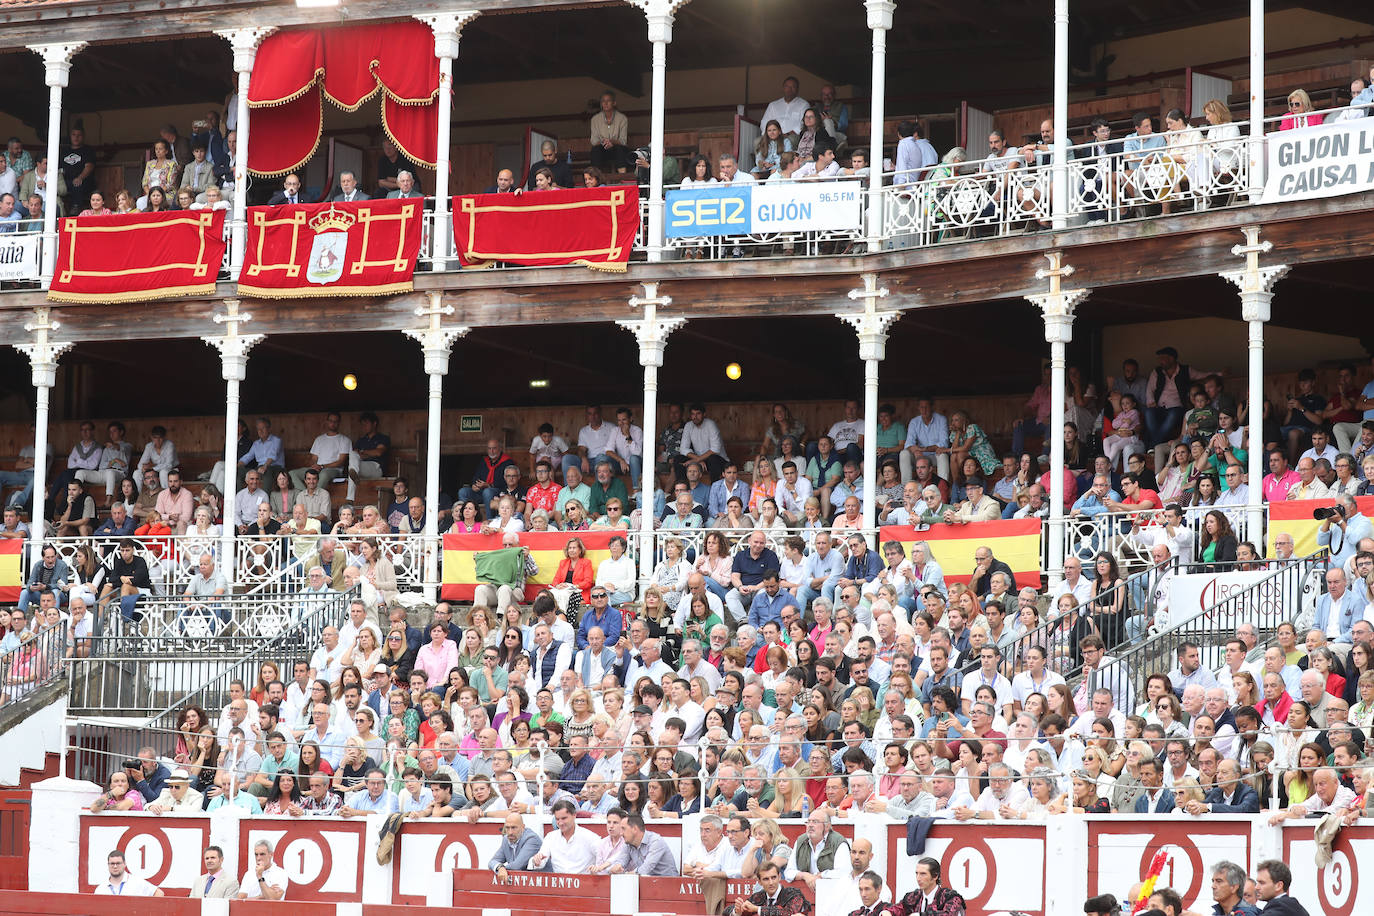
<point>1016,542</point>
<point>546,549</point>
<point>11,570</point>
<point>1294,516</point>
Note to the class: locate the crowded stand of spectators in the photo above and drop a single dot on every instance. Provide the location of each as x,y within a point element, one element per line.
<point>753,685</point>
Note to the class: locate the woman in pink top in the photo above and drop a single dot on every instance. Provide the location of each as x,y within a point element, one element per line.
<point>715,563</point>
<point>1299,111</point>
<point>437,658</point>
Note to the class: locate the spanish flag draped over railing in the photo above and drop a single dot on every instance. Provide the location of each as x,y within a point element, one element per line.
<point>1016,542</point>
<point>546,549</point>
<point>1294,517</point>
<point>11,570</point>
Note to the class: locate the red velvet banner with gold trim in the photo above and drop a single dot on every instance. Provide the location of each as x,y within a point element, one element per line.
<point>130,257</point>
<point>591,227</point>
<point>364,248</point>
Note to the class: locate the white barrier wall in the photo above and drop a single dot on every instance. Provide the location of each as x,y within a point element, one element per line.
<point>1048,868</point>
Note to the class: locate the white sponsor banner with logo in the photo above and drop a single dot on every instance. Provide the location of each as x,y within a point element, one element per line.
<point>765,207</point>
<point>18,257</point>
<point>1193,600</point>
<point>1328,160</point>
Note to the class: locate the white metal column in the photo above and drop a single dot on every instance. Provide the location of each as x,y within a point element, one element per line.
<point>871,325</point>
<point>57,68</point>
<point>1058,307</point>
<point>245,44</point>
<point>1255,284</point>
<point>1059,153</point>
<point>659,14</point>
<point>1256,98</point>
<point>879,21</point>
<point>43,355</point>
<point>233,350</point>
<point>436,342</point>
<point>651,332</point>
<point>448,29</point>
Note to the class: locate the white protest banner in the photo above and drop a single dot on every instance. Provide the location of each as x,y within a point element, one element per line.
<point>18,257</point>
<point>1328,160</point>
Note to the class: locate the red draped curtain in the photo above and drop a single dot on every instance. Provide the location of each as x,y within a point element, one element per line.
<point>349,65</point>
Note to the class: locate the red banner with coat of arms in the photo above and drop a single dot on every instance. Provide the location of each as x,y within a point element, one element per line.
<point>134,257</point>
<point>363,248</point>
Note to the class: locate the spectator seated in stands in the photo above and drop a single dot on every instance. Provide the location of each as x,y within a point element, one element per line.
<point>610,131</point>
<point>560,175</point>
<point>772,143</point>
<point>1301,112</point>
<point>349,191</point>
<point>199,174</point>
<point>405,186</point>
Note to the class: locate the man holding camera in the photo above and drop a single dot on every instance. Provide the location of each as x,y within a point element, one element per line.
<point>1343,527</point>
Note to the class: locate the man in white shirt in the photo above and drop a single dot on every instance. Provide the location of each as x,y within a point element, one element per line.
<point>704,857</point>
<point>328,456</point>
<point>701,443</point>
<point>792,493</point>
<point>682,706</point>
<point>729,858</point>
<point>1173,532</point>
<point>568,849</point>
<point>123,884</point>
<point>820,853</point>
<point>263,880</point>
<point>731,173</point>
<point>695,665</point>
<point>594,440</point>
<point>788,110</point>
<point>823,166</point>
<point>1074,582</point>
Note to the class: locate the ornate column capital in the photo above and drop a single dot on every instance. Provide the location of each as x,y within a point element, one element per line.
<point>660,14</point>
<point>448,29</point>
<point>57,60</point>
<point>651,332</point>
<point>871,324</point>
<point>44,352</point>
<point>245,44</point>
<point>1255,283</point>
<point>1058,304</point>
<point>233,347</point>
<point>436,341</point>
<point>880,13</point>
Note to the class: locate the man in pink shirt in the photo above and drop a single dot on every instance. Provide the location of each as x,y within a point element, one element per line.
<point>1280,479</point>
<point>175,504</point>
<point>1038,407</point>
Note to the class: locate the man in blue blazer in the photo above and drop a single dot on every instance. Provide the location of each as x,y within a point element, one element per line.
<point>1231,795</point>
<point>1339,607</point>
<point>1157,799</point>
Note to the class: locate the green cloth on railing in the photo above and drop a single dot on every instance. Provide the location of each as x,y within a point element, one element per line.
<point>499,567</point>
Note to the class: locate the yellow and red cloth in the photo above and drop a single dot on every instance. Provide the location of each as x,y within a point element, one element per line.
<point>589,227</point>
<point>133,257</point>
<point>363,248</point>
<point>1294,516</point>
<point>1015,542</point>
<point>546,549</point>
<point>11,570</point>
